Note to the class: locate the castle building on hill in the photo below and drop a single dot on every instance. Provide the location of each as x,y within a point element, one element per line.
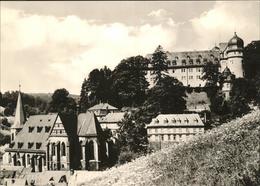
<point>188,66</point>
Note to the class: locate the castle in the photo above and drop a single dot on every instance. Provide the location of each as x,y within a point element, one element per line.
<point>188,66</point>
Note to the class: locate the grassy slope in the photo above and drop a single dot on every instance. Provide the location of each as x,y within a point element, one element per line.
<point>228,155</point>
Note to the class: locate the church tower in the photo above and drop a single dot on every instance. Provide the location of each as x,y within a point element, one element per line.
<point>234,55</point>
<point>19,119</point>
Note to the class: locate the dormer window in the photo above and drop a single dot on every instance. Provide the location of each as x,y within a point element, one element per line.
<point>20,144</point>
<point>186,120</point>
<point>174,120</point>
<point>156,121</point>
<point>176,58</point>
<point>205,60</point>
<point>47,129</point>
<point>183,62</point>
<point>179,120</point>
<point>191,61</point>
<point>196,120</point>
<point>174,62</point>
<point>198,61</point>
<point>165,120</point>
<point>39,129</point>
<point>49,119</point>
<point>30,145</point>
<point>11,144</point>
<point>31,129</point>
<point>40,120</point>
<point>38,145</point>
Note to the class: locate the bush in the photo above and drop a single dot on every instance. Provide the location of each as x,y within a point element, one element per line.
<point>126,156</point>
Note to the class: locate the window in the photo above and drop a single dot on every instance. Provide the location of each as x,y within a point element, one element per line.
<point>38,145</point>
<point>190,77</point>
<point>31,129</point>
<point>174,62</point>
<point>63,149</point>
<point>47,129</point>
<point>190,70</point>
<point>183,70</point>
<point>183,77</point>
<point>165,120</point>
<point>39,129</point>
<point>173,70</point>
<point>162,137</point>
<point>183,62</point>
<point>198,77</point>
<point>191,61</point>
<point>198,70</point>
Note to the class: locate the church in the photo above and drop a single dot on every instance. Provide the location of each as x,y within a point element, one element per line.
<point>188,66</point>
<point>57,142</point>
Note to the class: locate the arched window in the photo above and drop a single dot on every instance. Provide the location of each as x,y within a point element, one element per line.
<point>53,149</point>
<point>63,149</point>
<point>28,159</point>
<point>9,158</point>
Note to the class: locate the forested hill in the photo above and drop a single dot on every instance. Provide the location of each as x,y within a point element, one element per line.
<point>47,96</point>
<point>227,155</point>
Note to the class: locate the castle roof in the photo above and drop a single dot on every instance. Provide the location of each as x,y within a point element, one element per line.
<point>102,106</point>
<point>88,125</point>
<point>235,40</point>
<point>19,113</point>
<point>176,120</point>
<point>35,132</point>
<point>191,58</point>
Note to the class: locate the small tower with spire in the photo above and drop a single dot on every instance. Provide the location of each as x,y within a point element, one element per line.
<point>19,119</point>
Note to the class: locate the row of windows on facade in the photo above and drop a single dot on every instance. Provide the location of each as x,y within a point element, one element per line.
<point>29,145</point>
<point>186,120</point>
<point>190,61</point>
<point>170,137</point>
<point>175,130</point>
<point>190,77</point>
<point>235,52</point>
<point>39,129</point>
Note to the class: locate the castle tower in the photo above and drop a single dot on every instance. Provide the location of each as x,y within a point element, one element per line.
<point>234,55</point>
<point>19,117</point>
<point>228,77</point>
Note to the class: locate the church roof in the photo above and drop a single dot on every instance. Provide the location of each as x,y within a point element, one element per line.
<point>102,106</point>
<point>19,113</point>
<point>88,125</point>
<point>175,120</point>
<point>35,132</point>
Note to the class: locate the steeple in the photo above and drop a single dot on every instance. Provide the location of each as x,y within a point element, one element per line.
<point>19,116</point>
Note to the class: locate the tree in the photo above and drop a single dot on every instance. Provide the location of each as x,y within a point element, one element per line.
<point>167,96</point>
<point>129,82</point>
<point>62,103</point>
<point>99,86</point>
<point>251,61</point>
<point>159,64</point>
<point>132,133</point>
<point>83,103</point>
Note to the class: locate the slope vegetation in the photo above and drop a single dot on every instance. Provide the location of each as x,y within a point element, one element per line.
<point>227,155</point>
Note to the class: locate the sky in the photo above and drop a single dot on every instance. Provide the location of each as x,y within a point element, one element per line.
<point>51,45</point>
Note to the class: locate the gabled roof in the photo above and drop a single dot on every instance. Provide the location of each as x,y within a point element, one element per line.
<point>40,127</point>
<point>19,114</point>
<point>102,106</point>
<point>163,120</point>
<point>88,125</point>
<point>112,117</point>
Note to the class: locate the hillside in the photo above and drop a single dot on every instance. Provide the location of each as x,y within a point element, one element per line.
<point>47,96</point>
<point>227,155</point>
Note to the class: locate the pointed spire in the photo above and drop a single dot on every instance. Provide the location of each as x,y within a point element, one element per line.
<point>19,114</point>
